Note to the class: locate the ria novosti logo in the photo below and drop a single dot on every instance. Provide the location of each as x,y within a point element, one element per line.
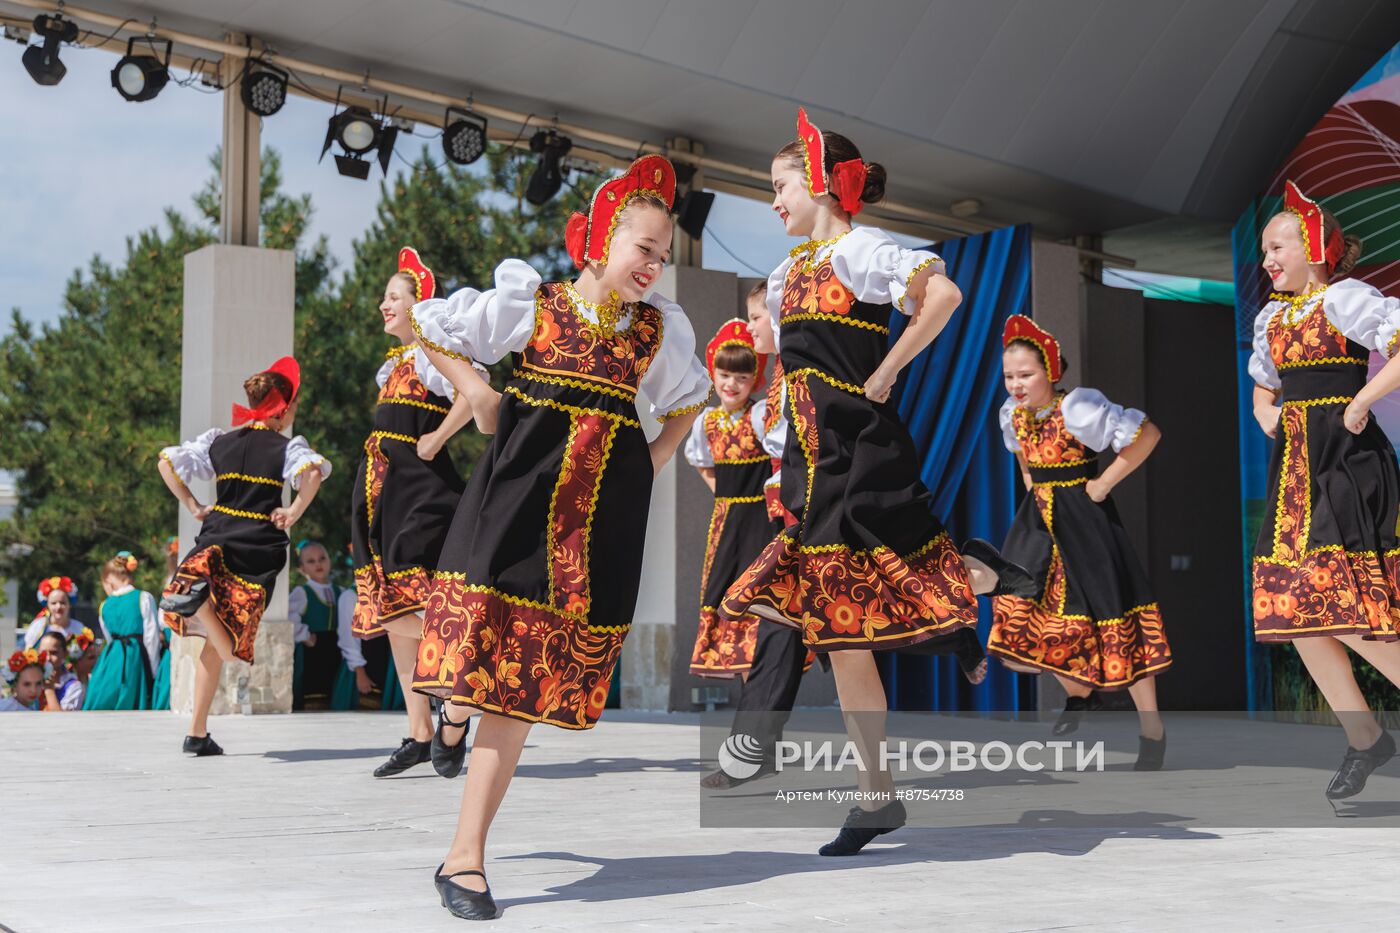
<point>741,756</point>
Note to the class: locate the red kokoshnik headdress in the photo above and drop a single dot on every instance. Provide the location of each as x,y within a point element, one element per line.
<point>423,282</point>
<point>735,333</point>
<point>274,404</point>
<point>1020,327</point>
<point>588,236</point>
<point>1319,249</point>
<point>847,181</point>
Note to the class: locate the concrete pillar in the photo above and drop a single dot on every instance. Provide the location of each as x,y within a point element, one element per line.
<point>241,171</point>
<point>656,655</point>
<point>1057,305</point>
<point>237,321</point>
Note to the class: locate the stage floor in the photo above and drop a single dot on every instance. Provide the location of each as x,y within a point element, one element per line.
<point>106,826</point>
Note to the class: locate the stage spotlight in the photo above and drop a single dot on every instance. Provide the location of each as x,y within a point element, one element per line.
<point>692,212</point>
<point>357,131</point>
<point>140,77</point>
<point>41,61</point>
<point>548,176</point>
<point>263,88</point>
<point>463,139</point>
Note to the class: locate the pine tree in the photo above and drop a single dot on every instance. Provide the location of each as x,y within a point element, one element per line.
<point>87,402</point>
<point>463,222</point>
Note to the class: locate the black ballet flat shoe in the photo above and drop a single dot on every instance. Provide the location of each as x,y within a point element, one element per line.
<point>448,759</point>
<point>201,746</point>
<point>974,671</point>
<point>1070,716</point>
<point>1151,753</point>
<point>187,603</point>
<point>1012,578</point>
<point>465,903</point>
<point>410,753</point>
<point>862,826</point>
<point>1357,766</point>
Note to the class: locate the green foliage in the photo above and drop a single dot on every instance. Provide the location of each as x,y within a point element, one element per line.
<point>463,222</point>
<point>86,402</point>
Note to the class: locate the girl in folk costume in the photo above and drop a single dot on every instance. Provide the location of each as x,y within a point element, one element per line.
<point>126,670</point>
<point>779,656</point>
<point>24,676</point>
<point>726,446</point>
<point>1092,622</point>
<point>63,692</point>
<point>538,581</point>
<point>1327,563</point>
<point>56,595</point>
<point>160,690</point>
<point>407,495</point>
<point>324,645</point>
<point>866,566</point>
<point>222,586</point>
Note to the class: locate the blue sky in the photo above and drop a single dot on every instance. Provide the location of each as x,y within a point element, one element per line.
<point>84,169</point>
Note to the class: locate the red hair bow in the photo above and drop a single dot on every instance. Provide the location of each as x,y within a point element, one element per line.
<point>274,404</point>
<point>848,184</point>
<point>576,237</point>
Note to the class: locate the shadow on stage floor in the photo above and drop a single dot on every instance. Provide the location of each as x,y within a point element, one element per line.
<point>1046,832</point>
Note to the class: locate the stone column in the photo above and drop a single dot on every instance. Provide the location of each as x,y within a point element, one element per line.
<point>1057,304</point>
<point>656,655</point>
<point>237,321</point>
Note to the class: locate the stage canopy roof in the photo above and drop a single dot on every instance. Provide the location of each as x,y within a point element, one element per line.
<point>1079,116</point>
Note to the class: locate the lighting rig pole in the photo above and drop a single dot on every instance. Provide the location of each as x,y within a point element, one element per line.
<point>241,171</point>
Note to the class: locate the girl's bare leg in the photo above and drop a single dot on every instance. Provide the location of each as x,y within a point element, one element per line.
<point>1073,687</point>
<point>218,648</point>
<point>1329,665</point>
<point>863,707</point>
<point>495,753</point>
<point>405,635</point>
<point>1144,694</point>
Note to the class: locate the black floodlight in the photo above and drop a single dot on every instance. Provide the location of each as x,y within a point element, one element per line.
<point>693,211</point>
<point>357,131</point>
<point>548,176</point>
<point>41,61</point>
<point>141,77</point>
<point>263,88</point>
<point>463,138</point>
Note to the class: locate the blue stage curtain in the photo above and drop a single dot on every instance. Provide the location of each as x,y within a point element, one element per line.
<point>949,397</point>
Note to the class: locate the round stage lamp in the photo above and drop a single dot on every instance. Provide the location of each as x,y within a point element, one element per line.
<point>141,77</point>
<point>355,129</point>
<point>41,61</point>
<point>263,88</point>
<point>463,139</point>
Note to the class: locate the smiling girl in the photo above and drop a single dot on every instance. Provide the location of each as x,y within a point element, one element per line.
<point>407,494</point>
<point>1093,623</point>
<point>866,566</point>
<point>726,447</point>
<point>538,580</point>
<point>1327,561</point>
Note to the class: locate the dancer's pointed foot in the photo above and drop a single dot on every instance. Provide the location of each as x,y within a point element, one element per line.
<point>1357,766</point>
<point>862,826</point>
<point>1012,578</point>
<point>201,746</point>
<point>411,752</point>
<point>465,903</point>
<point>448,759</point>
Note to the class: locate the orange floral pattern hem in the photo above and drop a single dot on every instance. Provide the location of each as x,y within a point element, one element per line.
<point>236,602</point>
<point>1327,592</point>
<point>515,657</point>
<point>844,598</point>
<point>383,597</point>
<point>723,647</point>
<point>1105,654</point>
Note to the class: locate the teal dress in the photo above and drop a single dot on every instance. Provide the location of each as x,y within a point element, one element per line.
<point>316,670</point>
<point>122,677</point>
<point>160,690</point>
